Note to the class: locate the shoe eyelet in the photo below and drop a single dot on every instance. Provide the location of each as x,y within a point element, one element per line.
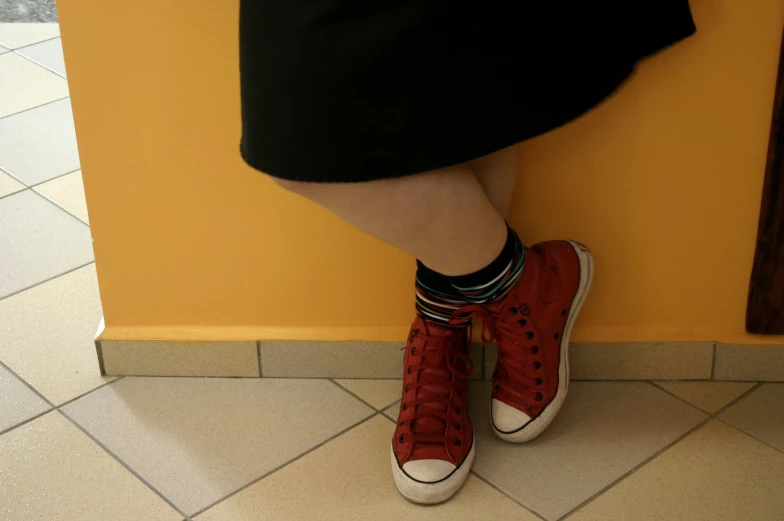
<point>400,439</point>
<point>563,313</point>
<point>458,394</point>
<point>555,336</point>
<point>458,427</point>
<point>534,350</point>
<point>458,442</point>
<point>405,389</point>
<point>537,364</point>
<point>539,397</point>
<point>539,381</point>
<point>458,410</point>
<point>408,370</point>
<point>529,335</point>
<point>413,351</point>
<point>513,310</point>
<point>405,407</point>
<point>523,322</point>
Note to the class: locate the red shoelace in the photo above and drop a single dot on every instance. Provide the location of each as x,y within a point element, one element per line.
<point>513,383</point>
<point>438,381</point>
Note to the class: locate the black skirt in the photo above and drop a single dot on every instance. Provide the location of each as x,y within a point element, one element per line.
<point>356,90</point>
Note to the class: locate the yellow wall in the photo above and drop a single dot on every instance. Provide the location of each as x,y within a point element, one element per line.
<point>663,182</point>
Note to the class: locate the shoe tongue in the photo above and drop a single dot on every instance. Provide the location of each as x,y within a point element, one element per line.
<point>433,425</point>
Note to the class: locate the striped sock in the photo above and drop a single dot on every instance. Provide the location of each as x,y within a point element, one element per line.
<point>492,283</point>
<point>438,296</point>
<point>436,299</point>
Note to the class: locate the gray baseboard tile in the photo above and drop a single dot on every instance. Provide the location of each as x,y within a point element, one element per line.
<point>750,362</point>
<point>313,359</point>
<point>633,361</point>
<point>165,358</point>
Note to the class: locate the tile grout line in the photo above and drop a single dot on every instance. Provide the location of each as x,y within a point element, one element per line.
<point>394,378</point>
<point>287,463</point>
<point>34,43</point>
<point>493,486</point>
<point>636,468</point>
<point>26,188</point>
<point>16,51</point>
<point>36,107</point>
<point>352,394</point>
<point>648,379</point>
<point>42,196</point>
<point>91,391</point>
<point>25,422</point>
<point>713,361</point>
<point>739,398</point>
<point>680,398</point>
<point>258,355</point>
<point>121,462</point>
<point>36,391</point>
<point>707,420</point>
<point>201,377</point>
<point>47,280</point>
<point>35,185</point>
<point>52,406</point>
<point>58,176</point>
<point>745,433</point>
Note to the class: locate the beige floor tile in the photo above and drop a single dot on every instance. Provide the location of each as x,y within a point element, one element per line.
<point>391,411</point>
<point>27,85</point>
<point>378,393</point>
<point>716,473</point>
<point>140,358</point>
<point>50,470</point>
<point>38,242</point>
<point>47,335</point>
<point>199,439</point>
<point>708,396</point>
<point>17,401</point>
<point>40,144</point>
<point>760,414</point>
<point>68,192</point>
<point>48,53</point>
<point>349,478</point>
<point>604,430</point>
<point>9,185</point>
<point>15,35</point>
<point>756,363</point>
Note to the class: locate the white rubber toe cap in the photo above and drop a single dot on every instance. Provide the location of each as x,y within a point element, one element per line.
<point>506,418</point>
<point>428,470</point>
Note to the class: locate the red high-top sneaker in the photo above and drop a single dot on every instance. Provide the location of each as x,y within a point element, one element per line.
<point>531,326</point>
<point>433,445</point>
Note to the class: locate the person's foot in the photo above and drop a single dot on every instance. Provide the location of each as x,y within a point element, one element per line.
<point>433,444</point>
<point>531,326</point>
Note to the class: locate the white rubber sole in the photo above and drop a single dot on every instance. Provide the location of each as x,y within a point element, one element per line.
<point>432,493</point>
<point>535,427</point>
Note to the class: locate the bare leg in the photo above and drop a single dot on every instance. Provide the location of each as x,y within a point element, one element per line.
<point>497,173</point>
<point>444,218</point>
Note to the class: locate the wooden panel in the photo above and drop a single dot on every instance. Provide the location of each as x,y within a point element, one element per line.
<point>765,311</point>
